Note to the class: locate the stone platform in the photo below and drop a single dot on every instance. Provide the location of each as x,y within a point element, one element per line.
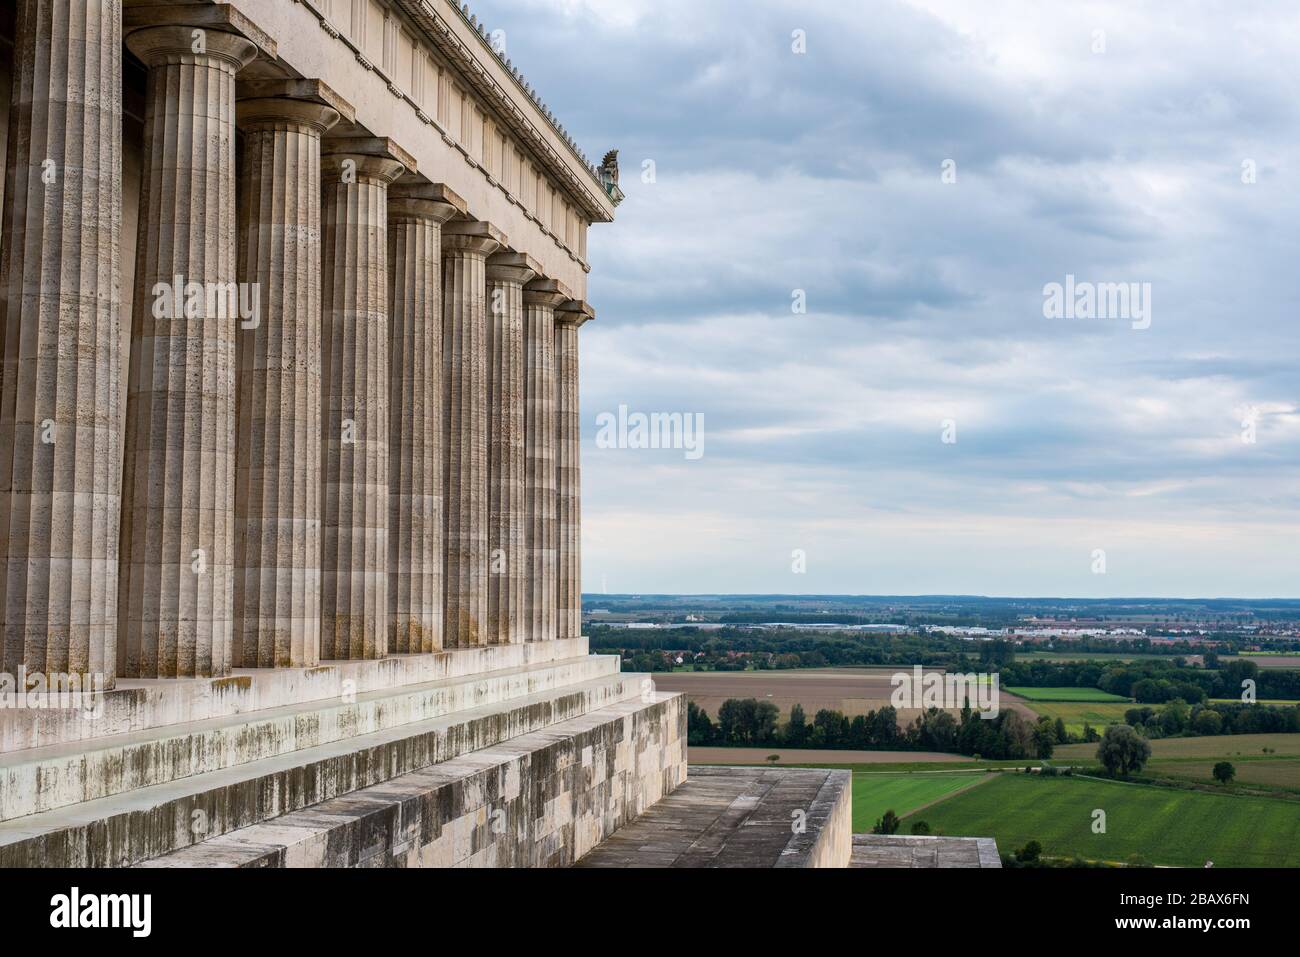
<point>896,850</point>
<point>740,817</point>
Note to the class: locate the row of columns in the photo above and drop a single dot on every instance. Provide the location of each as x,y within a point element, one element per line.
<point>375,462</point>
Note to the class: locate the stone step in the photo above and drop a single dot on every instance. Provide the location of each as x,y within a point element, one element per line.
<point>541,799</point>
<point>138,705</point>
<point>42,779</point>
<point>741,817</point>
<point>138,824</point>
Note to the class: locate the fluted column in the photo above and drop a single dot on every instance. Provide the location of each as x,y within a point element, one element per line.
<point>415,217</point>
<point>465,248</point>
<point>354,403</point>
<point>60,451</point>
<point>507,272</point>
<point>177,555</point>
<point>568,438</point>
<point>278,431</point>
<point>541,297</point>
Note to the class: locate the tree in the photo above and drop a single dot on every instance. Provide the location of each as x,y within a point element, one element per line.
<point>920,827</point>
<point>1224,772</point>
<point>1044,738</point>
<point>1122,750</point>
<point>699,727</point>
<point>1029,853</point>
<point>888,824</point>
<point>1208,722</point>
<point>796,732</point>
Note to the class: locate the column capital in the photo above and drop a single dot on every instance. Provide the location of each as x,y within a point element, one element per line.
<point>512,267</point>
<point>188,17</point>
<point>159,45</point>
<point>414,200</point>
<point>365,167</point>
<point>575,312</point>
<point>468,236</point>
<point>277,111</point>
<point>382,147</point>
<point>547,292</point>
<point>313,91</point>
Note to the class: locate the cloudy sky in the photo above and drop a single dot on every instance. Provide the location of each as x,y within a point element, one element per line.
<point>1116,142</point>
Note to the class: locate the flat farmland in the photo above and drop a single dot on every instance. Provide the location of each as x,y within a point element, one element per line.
<point>1066,694</point>
<point>852,691</point>
<point>1223,746</point>
<point>1284,662</point>
<point>1265,773</point>
<point>874,794</point>
<point>1159,825</point>
<point>698,755</point>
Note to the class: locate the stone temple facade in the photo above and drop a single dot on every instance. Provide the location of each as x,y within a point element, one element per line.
<point>289,447</point>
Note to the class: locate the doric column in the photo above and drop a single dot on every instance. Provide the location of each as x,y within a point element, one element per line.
<point>507,272</point>
<point>415,217</point>
<point>354,401</point>
<point>278,431</point>
<point>568,438</point>
<point>177,555</point>
<point>60,450</point>
<point>541,297</point>
<point>465,248</point>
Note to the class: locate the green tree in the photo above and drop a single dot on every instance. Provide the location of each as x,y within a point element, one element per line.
<point>796,731</point>
<point>1208,722</point>
<point>887,824</point>
<point>920,827</point>
<point>1122,750</point>
<point>1224,772</point>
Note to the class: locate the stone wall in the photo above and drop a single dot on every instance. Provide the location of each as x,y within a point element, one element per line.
<point>540,800</point>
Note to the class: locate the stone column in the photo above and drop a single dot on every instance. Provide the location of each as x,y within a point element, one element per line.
<point>465,248</point>
<point>568,437</point>
<point>415,217</point>
<point>177,555</point>
<point>60,445</point>
<point>278,431</point>
<point>541,297</point>
<point>354,403</point>
<point>507,272</point>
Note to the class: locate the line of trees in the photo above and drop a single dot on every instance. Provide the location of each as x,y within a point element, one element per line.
<point>748,722</point>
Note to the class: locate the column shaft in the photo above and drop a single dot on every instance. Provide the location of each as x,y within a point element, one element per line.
<point>177,555</point>
<point>60,451</point>
<point>354,402</point>
<point>568,437</point>
<point>415,412</point>
<point>465,439</point>
<point>540,595</point>
<point>507,507</point>
<point>278,431</point>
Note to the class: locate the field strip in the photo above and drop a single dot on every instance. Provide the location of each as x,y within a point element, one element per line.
<point>950,794</point>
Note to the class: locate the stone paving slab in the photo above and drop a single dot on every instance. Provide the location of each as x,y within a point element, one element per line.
<point>739,817</point>
<point>896,850</point>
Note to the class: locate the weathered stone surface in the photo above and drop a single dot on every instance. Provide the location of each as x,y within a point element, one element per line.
<point>278,382</point>
<point>42,779</point>
<point>465,248</point>
<point>741,817</point>
<point>415,520</point>
<point>539,800</point>
<point>135,826</point>
<point>507,272</point>
<point>175,596</point>
<point>541,297</point>
<point>60,418</point>
<point>354,401</point>
<point>568,469</point>
<point>897,850</point>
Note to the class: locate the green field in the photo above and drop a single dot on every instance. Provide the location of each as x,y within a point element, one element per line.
<point>1158,825</point>
<point>1233,747</point>
<point>1193,759</point>
<point>875,793</point>
<point>1066,694</point>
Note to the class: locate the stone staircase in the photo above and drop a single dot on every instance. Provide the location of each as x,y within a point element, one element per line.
<point>521,753</point>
